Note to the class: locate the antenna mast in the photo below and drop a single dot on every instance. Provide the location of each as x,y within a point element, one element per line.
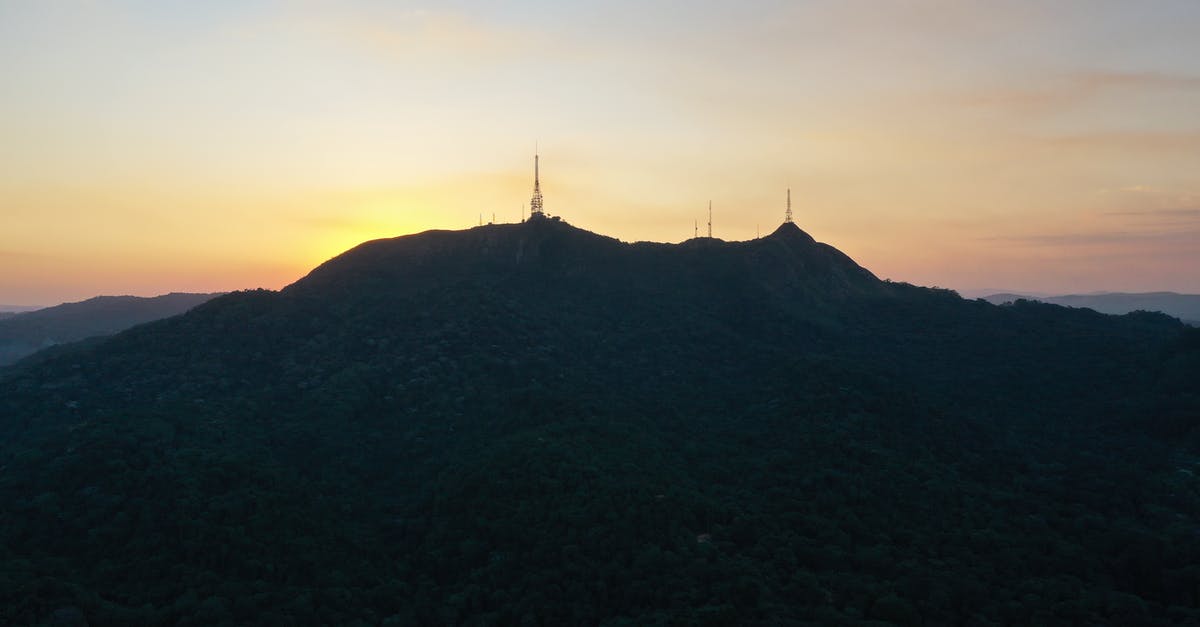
<point>535,203</point>
<point>710,219</point>
<point>787,217</point>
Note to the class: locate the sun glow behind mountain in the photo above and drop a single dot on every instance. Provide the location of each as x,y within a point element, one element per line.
<point>151,148</point>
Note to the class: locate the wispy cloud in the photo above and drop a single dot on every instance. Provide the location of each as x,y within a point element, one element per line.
<point>1064,91</point>
<point>1103,238</point>
<point>1151,202</point>
<point>1176,228</point>
<point>1152,141</point>
<point>1192,213</point>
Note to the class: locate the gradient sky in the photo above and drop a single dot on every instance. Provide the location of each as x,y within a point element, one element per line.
<point>148,147</point>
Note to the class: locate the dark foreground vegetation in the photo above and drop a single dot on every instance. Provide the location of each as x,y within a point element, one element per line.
<point>534,425</point>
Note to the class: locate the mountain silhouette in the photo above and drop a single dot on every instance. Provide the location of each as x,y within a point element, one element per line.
<point>535,424</point>
<point>1186,307</point>
<point>24,333</point>
<point>550,250</point>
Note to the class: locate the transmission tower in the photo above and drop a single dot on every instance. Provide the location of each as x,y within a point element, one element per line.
<point>535,203</point>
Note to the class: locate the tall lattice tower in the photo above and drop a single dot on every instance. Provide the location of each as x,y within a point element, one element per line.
<point>535,203</point>
<point>710,219</point>
<point>787,217</point>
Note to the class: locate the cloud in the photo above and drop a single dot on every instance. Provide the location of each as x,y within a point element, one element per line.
<point>1192,213</point>
<point>1065,91</point>
<point>1149,202</point>
<point>1137,219</point>
<point>1149,141</point>
<point>1165,230</point>
<point>1097,80</point>
<point>1058,240</point>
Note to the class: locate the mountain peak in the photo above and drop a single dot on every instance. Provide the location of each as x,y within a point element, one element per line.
<point>789,229</point>
<point>789,232</point>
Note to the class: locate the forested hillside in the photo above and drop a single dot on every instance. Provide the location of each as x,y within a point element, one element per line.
<point>535,425</point>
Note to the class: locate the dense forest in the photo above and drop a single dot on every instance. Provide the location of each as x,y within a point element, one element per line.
<point>536,425</point>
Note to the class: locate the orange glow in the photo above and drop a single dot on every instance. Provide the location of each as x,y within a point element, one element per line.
<point>218,147</point>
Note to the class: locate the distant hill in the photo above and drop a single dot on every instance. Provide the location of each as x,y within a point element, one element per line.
<point>531,424</point>
<point>22,334</point>
<point>14,309</point>
<point>1183,306</point>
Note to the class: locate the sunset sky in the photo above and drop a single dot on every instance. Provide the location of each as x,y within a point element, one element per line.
<point>148,147</point>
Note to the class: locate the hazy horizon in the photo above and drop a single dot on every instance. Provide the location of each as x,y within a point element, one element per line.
<point>153,148</point>
<point>969,292</point>
<point>965,291</point>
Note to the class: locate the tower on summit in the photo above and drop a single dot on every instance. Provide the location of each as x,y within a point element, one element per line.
<point>535,203</point>
<point>787,217</point>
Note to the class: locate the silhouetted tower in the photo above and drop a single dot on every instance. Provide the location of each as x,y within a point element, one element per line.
<point>787,217</point>
<point>695,228</point>
<point>535,203</point>
<point>710,219</point>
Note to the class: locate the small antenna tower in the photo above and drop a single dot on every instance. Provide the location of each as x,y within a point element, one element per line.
<point>710,219</point>
<point>787,217</point>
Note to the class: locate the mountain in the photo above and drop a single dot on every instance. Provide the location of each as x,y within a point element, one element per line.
<point>534,424</point>
<point>1183,306</point>
<point>22,334</point>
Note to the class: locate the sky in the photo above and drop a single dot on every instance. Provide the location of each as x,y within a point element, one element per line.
<point>149,147</point>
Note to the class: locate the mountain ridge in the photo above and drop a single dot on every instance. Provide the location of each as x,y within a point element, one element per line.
<point>24,333</point>
<point>1183,306</point>
<point>554,250</point>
